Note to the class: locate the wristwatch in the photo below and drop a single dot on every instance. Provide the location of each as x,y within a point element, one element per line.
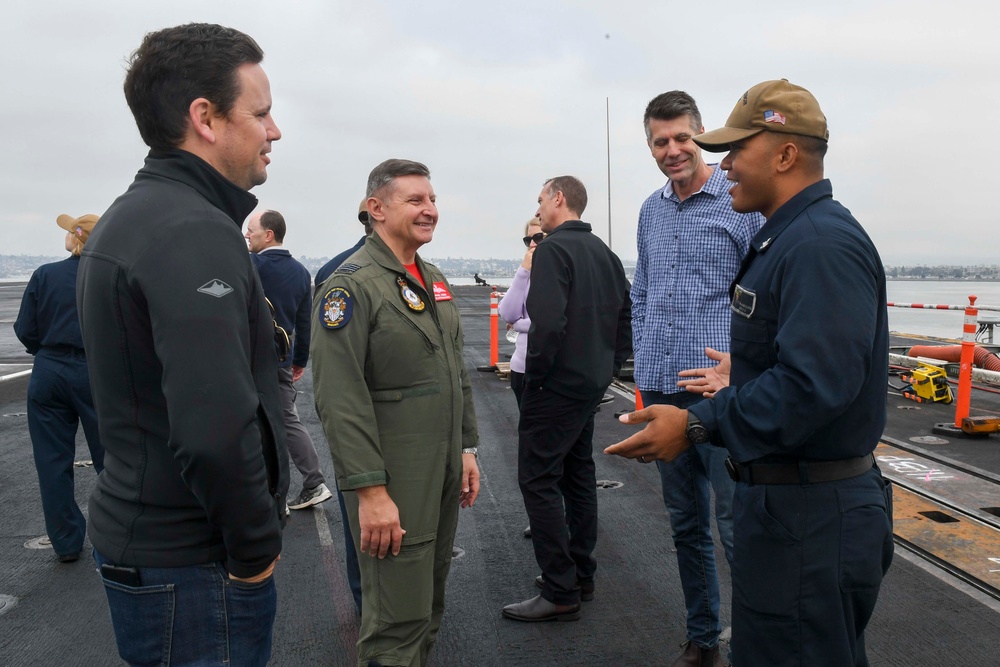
<point>696,432</point>
<point>471,450</point>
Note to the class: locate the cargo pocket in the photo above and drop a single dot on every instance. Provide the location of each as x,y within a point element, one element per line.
<point>865,538</point>
<point>767,568</point>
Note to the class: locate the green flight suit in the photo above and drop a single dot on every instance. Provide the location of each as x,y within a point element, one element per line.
<point>395,401</point>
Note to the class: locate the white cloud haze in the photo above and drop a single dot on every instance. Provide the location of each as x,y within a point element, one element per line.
<point>496,98</point>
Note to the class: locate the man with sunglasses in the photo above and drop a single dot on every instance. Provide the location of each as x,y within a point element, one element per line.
<point>690,244</point>
<point>287,286</point>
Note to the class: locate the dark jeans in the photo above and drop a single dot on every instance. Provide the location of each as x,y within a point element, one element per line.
<point>192,616</point>
<point>687,482</point>
<point>558,481</point>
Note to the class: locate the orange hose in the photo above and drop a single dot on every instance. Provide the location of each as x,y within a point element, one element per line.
<point>953,353</point>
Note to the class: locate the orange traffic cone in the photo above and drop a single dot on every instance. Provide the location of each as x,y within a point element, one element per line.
<point>638,399</point>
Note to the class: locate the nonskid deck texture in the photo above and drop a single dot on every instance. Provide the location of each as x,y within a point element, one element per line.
<point>57,614</point>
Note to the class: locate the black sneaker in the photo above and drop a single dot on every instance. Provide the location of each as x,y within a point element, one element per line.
<point>310,497</point>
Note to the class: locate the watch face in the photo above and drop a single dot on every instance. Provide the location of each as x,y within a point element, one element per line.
<point>697,434</point>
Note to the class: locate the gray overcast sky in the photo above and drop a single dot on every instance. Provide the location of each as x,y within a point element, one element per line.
<point>496,97</point>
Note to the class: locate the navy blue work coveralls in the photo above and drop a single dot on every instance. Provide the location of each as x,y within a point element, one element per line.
<point>809,370</point>
<point>58,397</point>
<point>327,269</point>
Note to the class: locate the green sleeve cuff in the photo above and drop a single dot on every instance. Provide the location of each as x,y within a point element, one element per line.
<point>376,478</point>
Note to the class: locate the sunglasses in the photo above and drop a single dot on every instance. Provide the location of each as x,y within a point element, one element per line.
<point>537,238</point>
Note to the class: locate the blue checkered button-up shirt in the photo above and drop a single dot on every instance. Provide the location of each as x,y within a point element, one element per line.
<point>689,252</point>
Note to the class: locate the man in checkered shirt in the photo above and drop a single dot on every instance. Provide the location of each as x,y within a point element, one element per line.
<point>690,244</point>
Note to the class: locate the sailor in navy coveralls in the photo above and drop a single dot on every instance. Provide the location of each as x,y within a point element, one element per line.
<point>812,514</point>
<point>59,389</point>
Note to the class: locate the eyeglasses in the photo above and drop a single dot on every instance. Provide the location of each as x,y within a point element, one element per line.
<point>537,238</point>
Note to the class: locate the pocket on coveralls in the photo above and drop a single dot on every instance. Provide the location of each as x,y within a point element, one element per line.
<point>865,538</point>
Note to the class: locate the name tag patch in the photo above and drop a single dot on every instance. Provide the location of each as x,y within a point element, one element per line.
<point>744,301</point>
<point>337,307</point>
<point>441,292</point>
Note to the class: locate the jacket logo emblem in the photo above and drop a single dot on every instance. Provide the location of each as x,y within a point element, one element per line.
<point>216,288</point>
<point>411,298</point>
<point>337,306</point>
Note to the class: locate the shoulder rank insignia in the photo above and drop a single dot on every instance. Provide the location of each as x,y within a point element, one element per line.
<point>347,269</point>
<point>337,306</point>
<point>411,298</point>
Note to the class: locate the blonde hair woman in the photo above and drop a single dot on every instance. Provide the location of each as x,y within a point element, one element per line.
<point>512,308</point>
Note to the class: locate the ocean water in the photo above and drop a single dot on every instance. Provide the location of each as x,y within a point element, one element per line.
<point>943,323</point>
<point>939,323</point>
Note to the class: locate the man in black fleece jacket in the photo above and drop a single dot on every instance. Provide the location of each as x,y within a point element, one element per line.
<point>186,518</point>
<point>581,334</point>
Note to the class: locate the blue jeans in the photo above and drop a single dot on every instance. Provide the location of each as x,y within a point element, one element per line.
<point>686,482</point>
<point>192,616</point>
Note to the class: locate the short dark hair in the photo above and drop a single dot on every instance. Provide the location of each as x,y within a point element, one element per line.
<point>275,222</point>
<point>175,66</point>
<point>381,179</point>
<point>668,106</point>
<point>813,146</point>
<point>572,189</point>
<point>812,150</point>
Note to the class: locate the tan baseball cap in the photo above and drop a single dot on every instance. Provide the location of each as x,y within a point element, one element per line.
<point>772,106</point>
<point>363,210</point>
<point>79,227</point>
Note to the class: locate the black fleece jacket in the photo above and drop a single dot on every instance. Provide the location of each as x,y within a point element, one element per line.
<point>581,313</point>
<point>180,347</point>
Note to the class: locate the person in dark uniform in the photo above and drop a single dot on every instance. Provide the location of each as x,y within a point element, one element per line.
<point>332,265</point>
<point>812,513</point>
<point>59,390</point>
<point>580,335</point>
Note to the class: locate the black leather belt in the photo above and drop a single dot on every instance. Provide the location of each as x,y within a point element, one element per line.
<point>803,472</point>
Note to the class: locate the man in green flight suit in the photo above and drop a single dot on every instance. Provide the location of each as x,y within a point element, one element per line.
<point>395,400</point>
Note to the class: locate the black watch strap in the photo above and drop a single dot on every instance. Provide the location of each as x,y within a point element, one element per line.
<point>696,432</point>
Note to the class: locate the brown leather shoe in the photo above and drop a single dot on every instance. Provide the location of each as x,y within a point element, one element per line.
<point>696,656</point>
<point>539,609</point>
<point>586,588</point>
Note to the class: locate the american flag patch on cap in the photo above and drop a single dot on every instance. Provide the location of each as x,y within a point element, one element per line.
<point>773,117</point>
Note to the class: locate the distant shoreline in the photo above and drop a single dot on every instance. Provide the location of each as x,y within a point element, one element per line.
<point>944,280</point>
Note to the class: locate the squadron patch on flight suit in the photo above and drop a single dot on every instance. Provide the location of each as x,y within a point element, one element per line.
<point>412,299</point>
<point>337,307</point>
